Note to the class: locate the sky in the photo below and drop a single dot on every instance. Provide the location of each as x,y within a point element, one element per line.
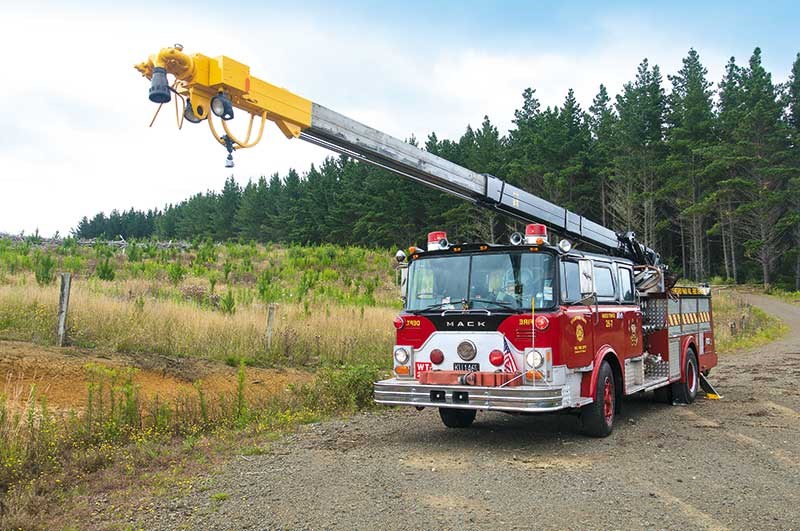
<point>74,136</point>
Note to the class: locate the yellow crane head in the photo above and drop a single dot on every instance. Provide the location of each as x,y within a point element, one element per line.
<point>208,87</point>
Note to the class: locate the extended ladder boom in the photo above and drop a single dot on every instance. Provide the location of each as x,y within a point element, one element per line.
<point>220,84</point>
<point>349,137</point>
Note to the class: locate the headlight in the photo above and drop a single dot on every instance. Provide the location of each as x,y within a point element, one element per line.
<point>401,355</point>
<point>534,359</point>
<point>466,350</point>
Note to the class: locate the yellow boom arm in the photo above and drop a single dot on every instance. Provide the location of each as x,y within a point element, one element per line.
<point>220,84</point>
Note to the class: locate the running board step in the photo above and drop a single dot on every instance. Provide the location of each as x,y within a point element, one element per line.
<point>648,385</point>
<point>711,393</point>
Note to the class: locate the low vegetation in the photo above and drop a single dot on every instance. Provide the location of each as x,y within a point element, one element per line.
<point>43,453</point>
<point>787,296</point>
<point>332,312</point>
<point>738,325</point>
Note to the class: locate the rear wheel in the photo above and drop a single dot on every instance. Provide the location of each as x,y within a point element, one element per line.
<point>457,418</point>
<point>597,419</point>
<point>686,391</point>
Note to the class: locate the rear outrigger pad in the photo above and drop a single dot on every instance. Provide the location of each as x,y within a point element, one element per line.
<point>711,393</point>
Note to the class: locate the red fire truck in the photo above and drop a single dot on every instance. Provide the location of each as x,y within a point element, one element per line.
<point>526,327</point>
<point>531,327</point>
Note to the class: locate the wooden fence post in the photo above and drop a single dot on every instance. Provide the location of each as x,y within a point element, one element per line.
<point>63,307</point>
<point>270,321</point>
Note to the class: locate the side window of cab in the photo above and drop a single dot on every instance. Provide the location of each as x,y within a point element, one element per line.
<point>604,282</point>
<point>627,292</point>
<point>570,282</point>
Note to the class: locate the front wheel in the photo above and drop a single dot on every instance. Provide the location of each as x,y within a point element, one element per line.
<point>597,419</point>
<point>686,391</point>
<point>457,418</point>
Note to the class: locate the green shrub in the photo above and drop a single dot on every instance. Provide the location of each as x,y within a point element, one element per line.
<point>228,303</point>
<point>207,252</point>
<point>73,264</point>
<point>176,273</point>
<point>104,269</point>
<point>213,278</point>
<point>134,252</point>
<point>43,269</point>
<point>346,388</point>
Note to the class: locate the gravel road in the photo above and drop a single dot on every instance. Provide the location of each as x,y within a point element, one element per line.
<point>730,464</point>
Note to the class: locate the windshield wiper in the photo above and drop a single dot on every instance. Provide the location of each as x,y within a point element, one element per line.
<point>514,309</point>
<point>433,307</point>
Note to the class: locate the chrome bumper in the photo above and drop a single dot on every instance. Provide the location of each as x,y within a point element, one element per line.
<point>527,399</point>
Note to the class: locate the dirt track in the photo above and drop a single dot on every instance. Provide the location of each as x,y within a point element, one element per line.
<point>724,464</point>
<point>60,375</point>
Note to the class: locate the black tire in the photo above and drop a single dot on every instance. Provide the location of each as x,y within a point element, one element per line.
<point>597,419</point>
<point>685,392</point>
<point>457,418</point>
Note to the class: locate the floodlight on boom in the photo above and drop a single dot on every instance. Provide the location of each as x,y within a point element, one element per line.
<point>219,85</point>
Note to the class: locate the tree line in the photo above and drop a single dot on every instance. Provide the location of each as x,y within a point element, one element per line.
<point>707,174</point>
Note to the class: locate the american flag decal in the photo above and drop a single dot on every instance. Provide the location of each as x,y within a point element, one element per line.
<point>509,363</point>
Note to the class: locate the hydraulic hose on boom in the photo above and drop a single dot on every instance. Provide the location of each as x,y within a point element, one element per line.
<point>214,87</point>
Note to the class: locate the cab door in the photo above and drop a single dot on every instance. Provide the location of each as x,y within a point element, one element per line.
<point>577,344</point>
<point>632,313</point>
<point>609,320</point>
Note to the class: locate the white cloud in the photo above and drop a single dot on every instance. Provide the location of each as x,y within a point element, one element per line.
<point>77,141</point>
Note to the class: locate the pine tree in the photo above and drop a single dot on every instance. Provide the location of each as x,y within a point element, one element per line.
<point>690,133</point>
<point>602,123</point>
<point>762,151</point>
<point>227,205</point>
<point>639,153</point>
<point>793,120</point>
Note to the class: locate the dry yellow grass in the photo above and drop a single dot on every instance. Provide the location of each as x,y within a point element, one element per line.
<point>324,333</point>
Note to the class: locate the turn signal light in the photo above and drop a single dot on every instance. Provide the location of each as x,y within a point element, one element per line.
<point>534,375</point>
<point>399,322</point>
<point>437,356</point>
<point>496,358</point>
<point>541,323</point>
<point>401,369</point>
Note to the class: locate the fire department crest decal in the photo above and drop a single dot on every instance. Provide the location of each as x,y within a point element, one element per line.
<point>634,334</point>
<point>579,332</point>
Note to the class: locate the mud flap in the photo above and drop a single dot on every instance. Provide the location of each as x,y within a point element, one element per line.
<point>711,393</point>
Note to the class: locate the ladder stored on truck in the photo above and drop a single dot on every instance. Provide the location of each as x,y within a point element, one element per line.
<point>213,87</point>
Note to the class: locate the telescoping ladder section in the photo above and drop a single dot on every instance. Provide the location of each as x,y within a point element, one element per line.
<point>344,135</point>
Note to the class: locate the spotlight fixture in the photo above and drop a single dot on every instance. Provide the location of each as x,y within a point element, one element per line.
<point>221,106</point>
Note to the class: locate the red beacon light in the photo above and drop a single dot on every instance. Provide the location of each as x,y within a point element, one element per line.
<point>535,234</point>
<point>399,322</point>
<point>437,240</point>
<point>541,323</point>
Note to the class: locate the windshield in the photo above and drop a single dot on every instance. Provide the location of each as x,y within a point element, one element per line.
<point>510,280</point>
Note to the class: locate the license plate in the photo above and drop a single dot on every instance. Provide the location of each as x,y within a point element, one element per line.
<point>473,367</point>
